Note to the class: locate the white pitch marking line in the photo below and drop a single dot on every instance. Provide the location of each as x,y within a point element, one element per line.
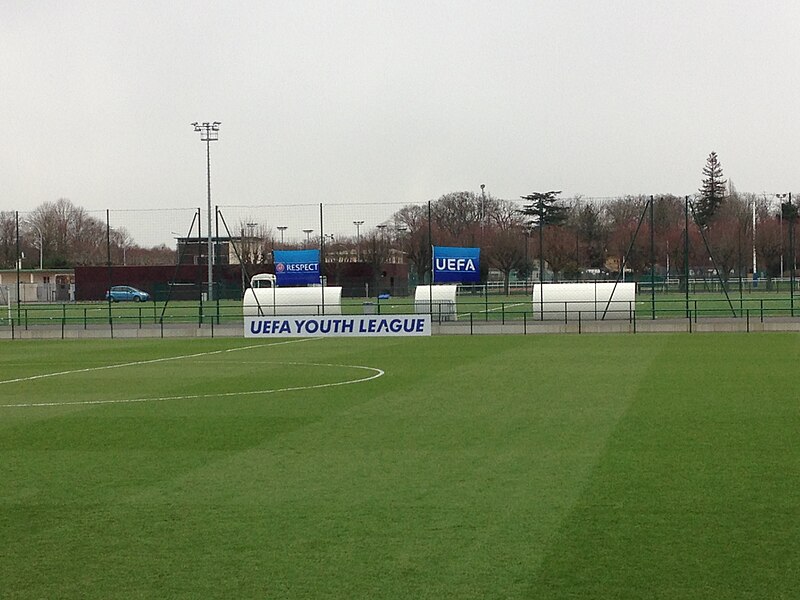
<point>375,374</point>
<point>502,307</point>
<point>149,362</point>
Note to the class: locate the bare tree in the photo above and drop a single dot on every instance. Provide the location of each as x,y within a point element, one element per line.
<point>458,216</point>
<point>623,216</point>
<point>71,236</point>
<point>8,239</point>
<point>121,242</point>
<point>416,243</point>
<point>504,244</point>
<point>156,255</point>
<point>724,235</point>
<point>376,251</point>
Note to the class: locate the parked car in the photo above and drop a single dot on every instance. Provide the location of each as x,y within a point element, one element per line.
<point>123,293</point>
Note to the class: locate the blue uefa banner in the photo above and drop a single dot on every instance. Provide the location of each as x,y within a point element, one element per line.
<point>296,267</point>
<point>456,265</point>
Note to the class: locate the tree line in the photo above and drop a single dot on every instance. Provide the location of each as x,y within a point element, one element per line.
<point>540,231</point>
<point>63,235</point>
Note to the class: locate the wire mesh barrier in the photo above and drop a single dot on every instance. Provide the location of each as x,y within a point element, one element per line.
<point>60,264</point>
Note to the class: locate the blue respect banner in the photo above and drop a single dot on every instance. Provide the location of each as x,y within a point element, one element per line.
<point>456,265</point>
<point>296,267</point>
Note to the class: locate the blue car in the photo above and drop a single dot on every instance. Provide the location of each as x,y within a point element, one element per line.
<point>123,293</point>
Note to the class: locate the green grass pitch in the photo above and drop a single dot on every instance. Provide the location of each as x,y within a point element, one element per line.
<point>635,466</point>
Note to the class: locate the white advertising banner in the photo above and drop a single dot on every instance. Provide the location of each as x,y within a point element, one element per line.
<point>337,326</point>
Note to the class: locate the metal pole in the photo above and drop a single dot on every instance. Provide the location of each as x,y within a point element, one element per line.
<point>110,274</point>
<point>216,235</point>
<point>210,237</point>
<point>755,266</point>
<point>652,259</point>
<point>686,252</point>
<point>431,264</point>
<point>209,132</point>
<point>792,219</point>
<point>322,256</point>
<point>483,210</point>
<point>19,263</point>
<point>541,241</point>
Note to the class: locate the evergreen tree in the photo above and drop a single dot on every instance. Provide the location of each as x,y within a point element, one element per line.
<point>712,193</point>
<point>544,208</point>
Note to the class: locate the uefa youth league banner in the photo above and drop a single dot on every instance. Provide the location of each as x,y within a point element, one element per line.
<point>296,267</point>
<point>338,326</point>
<point>456,265</point>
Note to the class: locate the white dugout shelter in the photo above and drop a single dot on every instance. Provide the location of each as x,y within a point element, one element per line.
<point>264,299</point>
<point>587,301</point>
<point>437,300</point>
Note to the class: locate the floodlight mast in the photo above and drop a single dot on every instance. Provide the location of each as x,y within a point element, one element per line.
<point>209,132</point>
<point>282,228</point>
<point>358,225</point>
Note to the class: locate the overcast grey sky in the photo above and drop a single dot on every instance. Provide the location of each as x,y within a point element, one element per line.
<point>364,101</point>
